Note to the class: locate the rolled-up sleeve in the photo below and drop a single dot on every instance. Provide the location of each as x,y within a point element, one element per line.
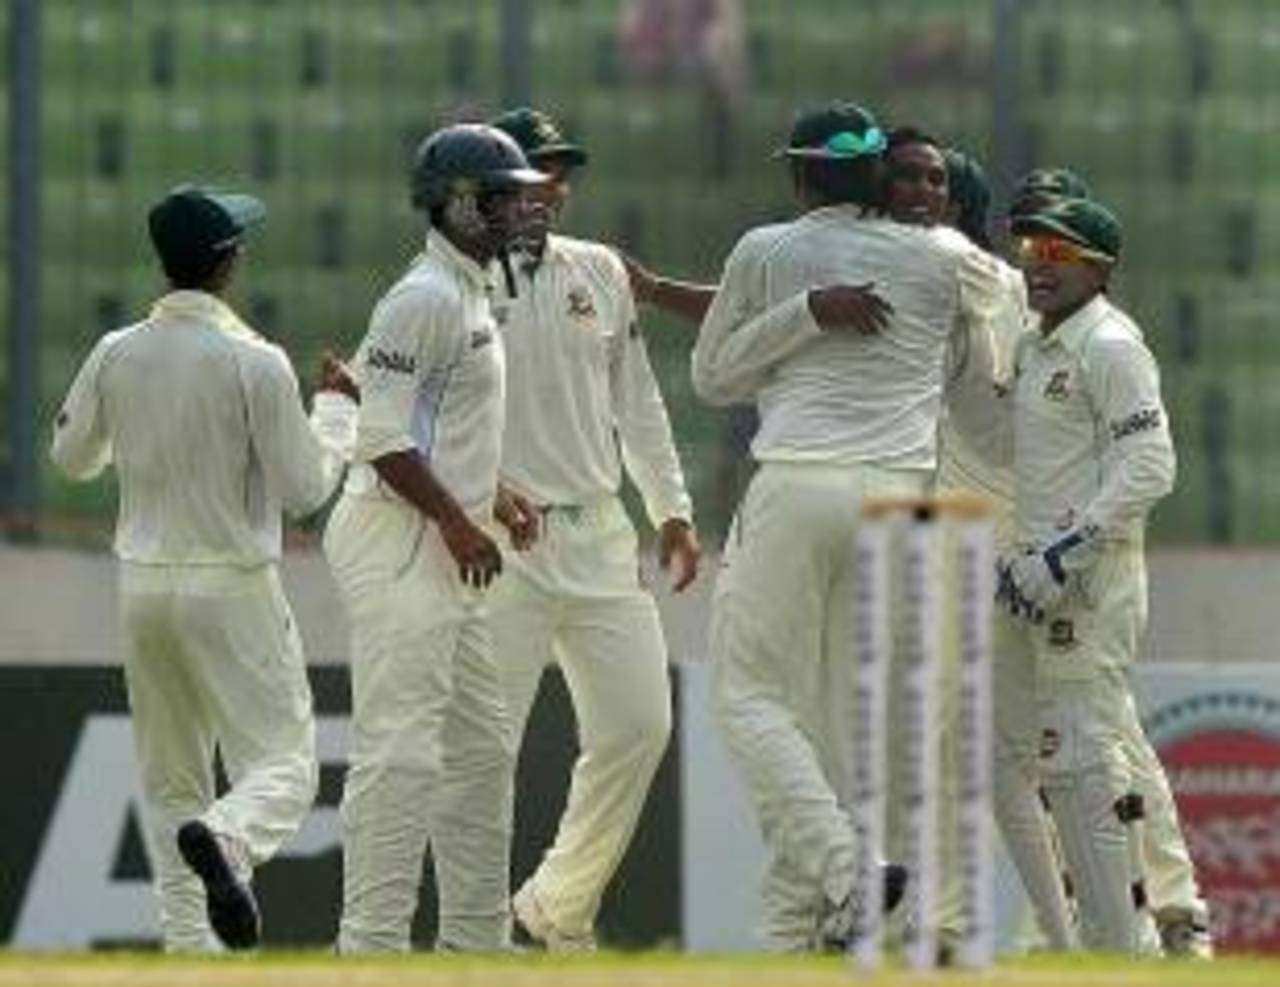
<point>81,446</point>
<point>744,336</point>
<point>1138,461</point>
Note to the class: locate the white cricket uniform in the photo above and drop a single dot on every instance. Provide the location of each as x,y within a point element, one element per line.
<point>428,756</point>
<point>842,417</point>
<point>1091,448</point>
<point>582,401</point>
<point>973,463</point>
<point>202,420</point>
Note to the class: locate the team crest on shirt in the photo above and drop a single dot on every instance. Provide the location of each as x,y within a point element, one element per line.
<point>580,304</point>
<point>1058,388</point>
<point>501,315</point>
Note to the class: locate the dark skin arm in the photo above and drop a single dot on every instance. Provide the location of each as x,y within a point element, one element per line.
<point>836,308</point>
<point>679,552</point>
<point>682,298</point>
<point>477,555</point>
<point>844,307</point>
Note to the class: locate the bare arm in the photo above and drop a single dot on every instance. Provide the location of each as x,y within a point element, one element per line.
<point>685,299</point>
<point>405,472</point>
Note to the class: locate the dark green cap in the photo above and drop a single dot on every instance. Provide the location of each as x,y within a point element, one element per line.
<point>837,132</point>
<point>1083,221</point>
<point>192,223</point>
<point>540,137</point>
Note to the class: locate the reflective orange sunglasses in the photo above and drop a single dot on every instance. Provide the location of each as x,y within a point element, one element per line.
<point>1029,250</point>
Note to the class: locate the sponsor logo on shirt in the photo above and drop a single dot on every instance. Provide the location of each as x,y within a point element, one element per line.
<point>391,361</point>
<point>1057,389</point>
<point>1140,421</point>
<point>480,338</point>
<point>580,304</point>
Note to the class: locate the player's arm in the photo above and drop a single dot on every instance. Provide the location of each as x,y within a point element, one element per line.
<point>977,366</point>
<point>81,447</point>
<point>747,331</point>
<point>685,299</point>
<point>302,457</point>
<point>410,344</point>
<point>649,452</point>
<point>1138,461</point>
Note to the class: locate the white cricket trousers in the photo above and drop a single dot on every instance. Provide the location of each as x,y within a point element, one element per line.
<point>213,662</point>
<point>1090,728</point>
<point>429,757</point>
<point>783,647</point>
<point>575,599</point>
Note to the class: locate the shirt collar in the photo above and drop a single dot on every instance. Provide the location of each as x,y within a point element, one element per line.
<point>199,305</point>
<point>1072,333</point>
<point>480,276</point>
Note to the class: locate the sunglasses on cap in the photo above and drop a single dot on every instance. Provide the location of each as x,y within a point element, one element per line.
<point>1028,250</point>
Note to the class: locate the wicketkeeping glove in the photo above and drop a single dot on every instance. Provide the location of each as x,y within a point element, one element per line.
<point>1030,584</point>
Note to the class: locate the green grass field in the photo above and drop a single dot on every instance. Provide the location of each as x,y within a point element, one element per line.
<point>622,969</point>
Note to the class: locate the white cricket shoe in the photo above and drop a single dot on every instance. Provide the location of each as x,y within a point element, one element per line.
<point>1184,933</point>
<point>530,917</point>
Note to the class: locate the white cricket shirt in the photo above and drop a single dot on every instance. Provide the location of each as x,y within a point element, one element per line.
<point>979,374</point>
<point>1091,436</point>
<point>431,375</point>
<point>839,396</point>
<point>203,421</point>
<point>581,394</point>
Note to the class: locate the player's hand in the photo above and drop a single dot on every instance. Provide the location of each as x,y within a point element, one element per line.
<point>1028,586</point>
<point>844,307</point>
<point>643,281</point>
<point>679,552</point>
<point>517,514</point>
<point>479,560</point>
<point>335,376</point>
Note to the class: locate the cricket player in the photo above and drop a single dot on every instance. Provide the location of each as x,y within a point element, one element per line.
<point>1179,909</point>
<point>411,543</point>
<point>582,402</point>
<point>928,186</point>
<point>202,420</point>
<point>847,412</point>
<point>1092,455</point>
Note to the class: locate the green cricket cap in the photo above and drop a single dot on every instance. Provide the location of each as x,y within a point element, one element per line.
<point>540,137</point>
<point>1083,221</point>
<point>192,222</point>
<point>837,132</point>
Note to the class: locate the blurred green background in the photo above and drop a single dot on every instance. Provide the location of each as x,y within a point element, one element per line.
<point>1167,107</point>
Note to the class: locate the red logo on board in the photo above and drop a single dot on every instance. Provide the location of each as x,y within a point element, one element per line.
<point>1221,752</point>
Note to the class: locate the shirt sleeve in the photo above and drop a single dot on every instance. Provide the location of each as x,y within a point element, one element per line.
<point>412,336</point>
<point>745,334</point>
<point>979,360</point>
<point>81,446</point>
<point>1138,462</point>
<point>302,459</point>
<point>644,429</point>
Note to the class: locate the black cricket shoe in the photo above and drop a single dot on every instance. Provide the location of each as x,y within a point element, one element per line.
<point>894,878</point>
<point>232,910</point>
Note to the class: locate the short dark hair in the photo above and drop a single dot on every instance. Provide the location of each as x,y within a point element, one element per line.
<point>855,181</point>
<point>900,136</point>
<point>196,271</point>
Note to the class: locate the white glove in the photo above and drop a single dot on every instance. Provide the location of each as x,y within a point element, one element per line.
<point>1030,584</point>
<point>1027,585</point>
